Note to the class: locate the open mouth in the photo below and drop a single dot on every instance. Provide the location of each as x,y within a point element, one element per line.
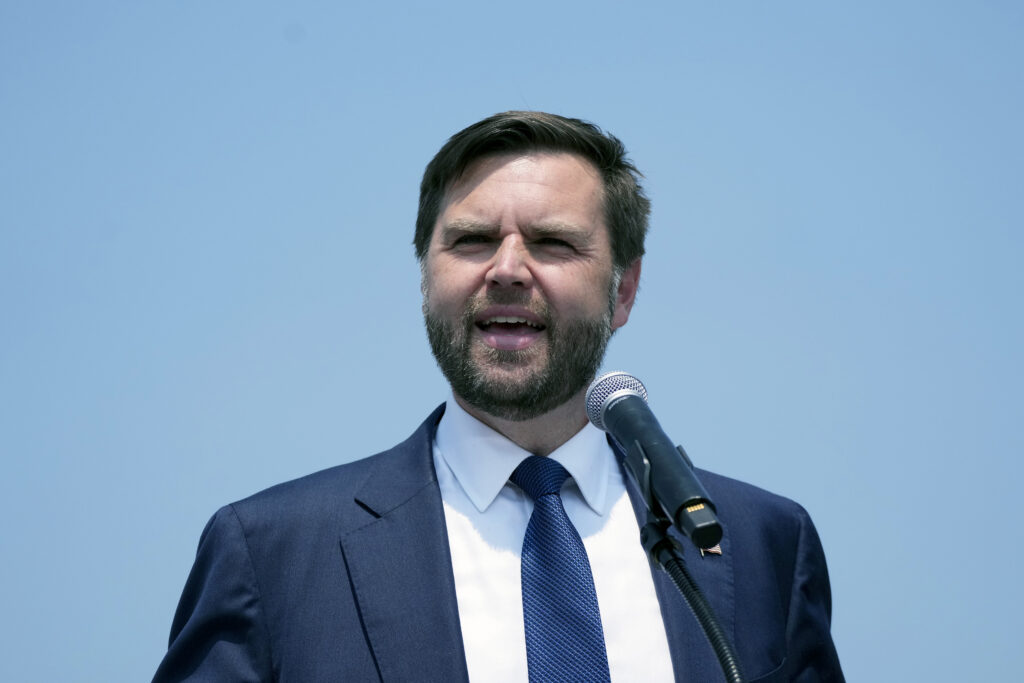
<point>509,332</point>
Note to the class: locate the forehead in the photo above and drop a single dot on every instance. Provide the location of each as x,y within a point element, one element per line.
<point>533,186</point>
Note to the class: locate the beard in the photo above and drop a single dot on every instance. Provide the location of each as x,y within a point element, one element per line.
<point>519,384</point>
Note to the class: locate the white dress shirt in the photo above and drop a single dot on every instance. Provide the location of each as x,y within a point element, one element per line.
<point>486,518</point>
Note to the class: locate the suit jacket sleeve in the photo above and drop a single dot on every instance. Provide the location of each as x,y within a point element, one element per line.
<point>811,653</point>
<point>219,632</point>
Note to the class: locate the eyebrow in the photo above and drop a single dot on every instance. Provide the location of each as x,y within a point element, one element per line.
<point>561,230</point>
<point>465,226</point>
<point>553,229</point>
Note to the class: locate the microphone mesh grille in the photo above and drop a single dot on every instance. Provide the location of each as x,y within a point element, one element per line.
<point>606,385</point>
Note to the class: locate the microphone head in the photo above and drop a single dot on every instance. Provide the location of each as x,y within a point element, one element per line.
<point>608,388</point>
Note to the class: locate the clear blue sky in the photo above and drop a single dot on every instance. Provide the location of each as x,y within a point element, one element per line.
<point>207,284</point>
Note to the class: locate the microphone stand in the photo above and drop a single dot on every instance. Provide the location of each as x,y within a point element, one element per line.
<point>664,553</point>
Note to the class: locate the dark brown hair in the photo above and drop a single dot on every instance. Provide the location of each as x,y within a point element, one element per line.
<point>625,204</point>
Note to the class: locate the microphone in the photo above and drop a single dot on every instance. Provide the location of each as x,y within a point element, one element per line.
<point>617,404</point>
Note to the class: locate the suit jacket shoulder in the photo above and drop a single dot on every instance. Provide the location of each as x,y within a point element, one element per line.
<point>340,575</point>
<point>769,587</point>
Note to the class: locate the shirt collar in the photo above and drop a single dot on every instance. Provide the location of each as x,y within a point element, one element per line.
<point>482,459</point>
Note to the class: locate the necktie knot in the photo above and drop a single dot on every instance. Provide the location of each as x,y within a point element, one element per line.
<point>539,476</point>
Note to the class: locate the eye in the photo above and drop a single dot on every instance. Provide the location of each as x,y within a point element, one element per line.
<point>473,238</point>
<point>554,244</point>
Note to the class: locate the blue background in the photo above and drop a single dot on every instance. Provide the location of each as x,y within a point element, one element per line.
<point>207,284</point>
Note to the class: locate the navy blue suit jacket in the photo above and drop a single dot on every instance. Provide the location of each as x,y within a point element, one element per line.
<point>345,575</point>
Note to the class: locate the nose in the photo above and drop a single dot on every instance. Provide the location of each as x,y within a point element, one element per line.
<point>510,267</point>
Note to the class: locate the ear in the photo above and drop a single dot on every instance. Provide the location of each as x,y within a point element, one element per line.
<point>626,295</point>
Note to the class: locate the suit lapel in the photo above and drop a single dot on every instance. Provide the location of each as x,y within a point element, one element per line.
<point>691,653</point>
<point>713,575</point>
<point>401,570</point>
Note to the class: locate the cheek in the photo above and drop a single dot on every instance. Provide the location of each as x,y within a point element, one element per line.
<point>444,294</point>
<point>578,297</point>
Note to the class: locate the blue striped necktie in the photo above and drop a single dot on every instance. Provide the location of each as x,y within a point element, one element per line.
<point>564,638</point>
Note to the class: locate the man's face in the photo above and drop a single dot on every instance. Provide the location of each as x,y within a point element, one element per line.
<point>520,298</point>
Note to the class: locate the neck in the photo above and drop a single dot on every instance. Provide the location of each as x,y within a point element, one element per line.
<point>540,435</point>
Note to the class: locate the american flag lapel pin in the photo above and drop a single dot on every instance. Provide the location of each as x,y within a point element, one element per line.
<point>716,549</point>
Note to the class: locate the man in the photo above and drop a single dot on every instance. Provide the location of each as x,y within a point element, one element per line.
<point>411,565</point>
